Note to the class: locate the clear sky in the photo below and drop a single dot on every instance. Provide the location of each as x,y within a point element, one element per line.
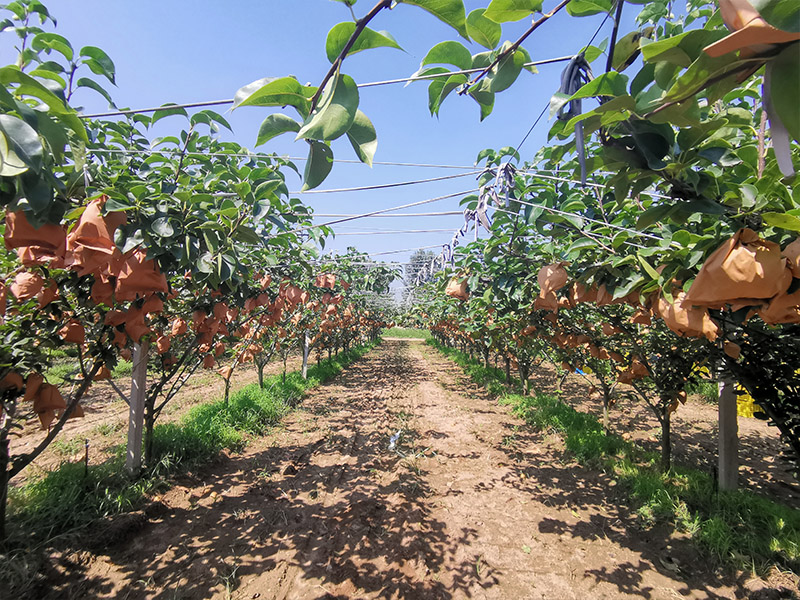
<point>172,51</point>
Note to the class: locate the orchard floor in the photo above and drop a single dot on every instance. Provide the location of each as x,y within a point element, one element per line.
<point>469,503</point>
<point>105,424</point>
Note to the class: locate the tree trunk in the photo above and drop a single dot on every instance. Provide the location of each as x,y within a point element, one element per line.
<point>4,458</point>
<point>606,404</point>
<point>508,370</point>
<point>306,350</point>
<point>329,353</point>
<point>228,388</point>
<point>133,458</point>
<point>149,425</point>
<point>261,364</point>
<point>523,374</point>
<point>486,358</point>
<point>728,436</point>
<point>666,440</point>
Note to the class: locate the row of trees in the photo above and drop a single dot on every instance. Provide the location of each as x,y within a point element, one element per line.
<point>182,251</point>
<point>680,253</point>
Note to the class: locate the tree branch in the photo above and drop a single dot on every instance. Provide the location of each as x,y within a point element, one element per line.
<point>614,33</point>
<point>25,459</point>
<point>361,24</point>
<point>513,48</point>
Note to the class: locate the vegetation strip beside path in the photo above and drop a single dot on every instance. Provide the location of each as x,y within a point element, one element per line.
<point>467,503</point>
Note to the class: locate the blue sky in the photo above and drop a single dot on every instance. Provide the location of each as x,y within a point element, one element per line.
<point>197,51</point>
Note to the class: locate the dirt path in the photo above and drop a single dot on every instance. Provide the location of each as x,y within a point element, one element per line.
<point>469,504</point>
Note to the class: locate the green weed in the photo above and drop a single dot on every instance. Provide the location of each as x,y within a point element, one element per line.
<point>123,368</point>
<point>67,447</point>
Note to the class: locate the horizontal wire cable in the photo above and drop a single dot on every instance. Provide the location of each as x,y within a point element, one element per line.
<point>136,111</point>
<point>385,210</point>
<point>405,250</point>
<point>619,227</point>
<point>449,213</point>
<point>392,232</point>
<point>133,152</point>
<point>382,186</point>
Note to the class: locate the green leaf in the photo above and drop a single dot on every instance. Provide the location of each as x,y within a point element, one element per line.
<point>620,106</point>
<point>647,267</point>
<point>448,53</point>
<point>162,113</point>
<point>23,142</point>
<point>585,8</point>
<point>681,49</point>
<point>318,165</point>
<point>503,11</point>
<point>209,117</point>
<point>785,68</point>
<point>368,39</point>
<point>485,101</point>
<point>581,244</point>
<point>272,91</point>
<point>91,84</point>
<point>248,235</point>
<point>695,78</point>
<point>205,264</point>
<point>335,111</point>
<point>53,41</point>
<point>482,30</point>
<point>450,12</point>
<point>444,87</point>
<point>99,62</point>
<point>28,86</point>
<point>10,163</point>
<point>504,73</point>
<point>654,214</point>
<point>607,84</point>
<point>781,220</point>
<point>274,125</point>
<point>162,227</point>
<point>363,138</point>
<point>780,14</point>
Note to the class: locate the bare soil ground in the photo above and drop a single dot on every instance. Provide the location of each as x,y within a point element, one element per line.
<point>468,503</point>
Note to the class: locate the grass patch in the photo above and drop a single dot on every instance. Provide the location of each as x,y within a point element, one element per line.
<point>62,371</point>
<point>71,496</point>
<point>68,447</point>
<point>407,332</point>
<point>738,528</point>
<point>706,389</point>
<point>107,429</point>
<point>123,368</point>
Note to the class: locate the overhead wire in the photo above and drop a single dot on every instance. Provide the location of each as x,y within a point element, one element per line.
<point>385,210</point>
<point>393,232</point>
<point>382,186</point>
<point>225,102</point>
